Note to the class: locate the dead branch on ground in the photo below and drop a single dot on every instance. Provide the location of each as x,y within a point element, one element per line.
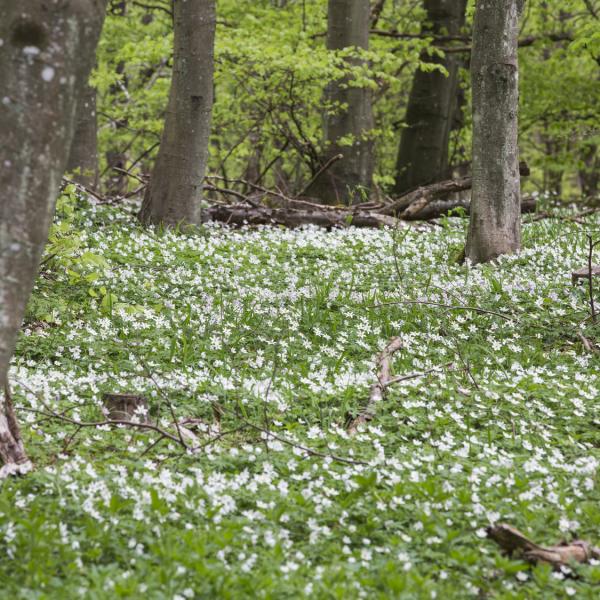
<point>378,389</point>
<point>513,542</point>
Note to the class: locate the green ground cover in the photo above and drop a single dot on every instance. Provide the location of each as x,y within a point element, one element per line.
<point>281,329</point>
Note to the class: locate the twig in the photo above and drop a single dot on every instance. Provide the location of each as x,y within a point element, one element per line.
<point>83,188</point>
<point>144,154</point>
<point>168,402</point>
<point>446,306</point>
<point>219,436</point>
<point>153,7</point>
<point>130,174</point>
<point>309,451</point>
<point>464,361</point>
<point>378,389</point>
<point>70,439</point>
<point>255,186</point>
<point>322,170</point>
<point>400,378</point>
<point>587,344</point>
<point>107,422</point>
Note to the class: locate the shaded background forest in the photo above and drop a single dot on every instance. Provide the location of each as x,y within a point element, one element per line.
<point>272,69</point>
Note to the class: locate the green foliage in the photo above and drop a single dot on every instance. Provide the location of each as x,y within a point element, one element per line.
<point>272,70</point>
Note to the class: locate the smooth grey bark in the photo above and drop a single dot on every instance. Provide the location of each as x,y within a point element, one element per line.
<point>83,157</point>
<point>423,151</point>
<point>47,52</point>
<point>175,191</point>
<point>495,223</point>
<point>348,180</point>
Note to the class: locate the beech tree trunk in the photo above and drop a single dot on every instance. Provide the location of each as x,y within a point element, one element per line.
<point>46,56</point>
<point>348,180</point>
<point>423,152</point>
<point>175,191</point>
<point>495,223</point>
<point>83,157</point>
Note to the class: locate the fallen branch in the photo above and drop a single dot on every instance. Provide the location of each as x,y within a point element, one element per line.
<point>50,414</point>
<point>401,378</point>
<point>84,189</point>
<point>587,344</point>
<point>411,204</point>
<point>306,449</point>
<point>378,389</point>
<point>439,208</point>
<point>512,541</point>
<point>576,218</point>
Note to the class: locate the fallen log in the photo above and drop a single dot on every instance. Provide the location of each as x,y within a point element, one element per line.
<point>423,204</point>
<point>412,203</point>
<point>440,208</point>
<point>330,216</point>
<point>585,273</point>
<point>241,214</point>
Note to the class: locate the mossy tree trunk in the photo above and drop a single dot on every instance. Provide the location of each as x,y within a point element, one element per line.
<point>46,56</point>
<point>175,191</point>
<point>495,223</point>
<point>347,181</point>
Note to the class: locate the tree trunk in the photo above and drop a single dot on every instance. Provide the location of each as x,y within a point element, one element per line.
<point>495,224</point>
<point>423,153</point>
<point>45,60</point>
<point>175,191</point>
<point>349,179</point>
<point>589,172</point>
<point>83,157</point>
<point>116,180</point>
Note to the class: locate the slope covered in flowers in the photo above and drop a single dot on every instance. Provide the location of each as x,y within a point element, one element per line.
<point>280,329</point>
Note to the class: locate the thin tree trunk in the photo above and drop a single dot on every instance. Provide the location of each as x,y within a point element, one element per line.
<point>83,157</point>
<point>423,152</point>
<point>175,191</point>
<point>349,179</point>
<point>495,224</point>
<point>45,60</point>
<point>116,180</point>
<point>589,173</point>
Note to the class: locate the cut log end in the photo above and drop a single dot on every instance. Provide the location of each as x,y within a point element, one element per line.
<point>125,407</point>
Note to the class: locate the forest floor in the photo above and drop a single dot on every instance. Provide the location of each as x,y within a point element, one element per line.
<point>280,329</point>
